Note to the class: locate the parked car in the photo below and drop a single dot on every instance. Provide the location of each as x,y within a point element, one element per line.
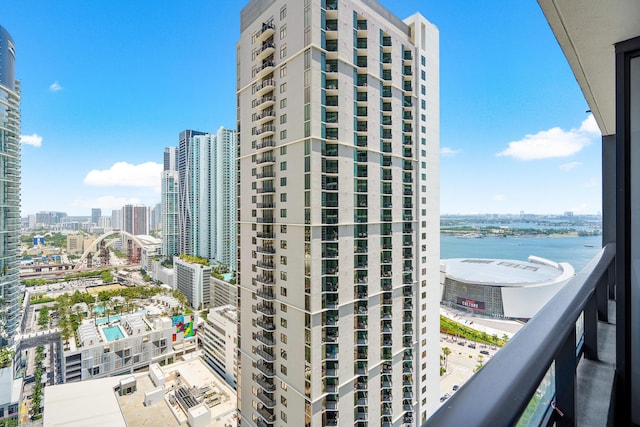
<point>455,387</point>
<point>472,345</point>
<point>484,352</point>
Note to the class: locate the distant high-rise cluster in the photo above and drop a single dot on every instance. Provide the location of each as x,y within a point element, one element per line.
<point>10,189</point>
<point>199,196</point>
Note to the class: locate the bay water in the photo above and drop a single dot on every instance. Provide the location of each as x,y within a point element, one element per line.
<point>576,250</point>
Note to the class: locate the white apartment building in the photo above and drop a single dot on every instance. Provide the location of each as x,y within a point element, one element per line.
<point>207,195</point>
<point>223,293</point>
<point>169,214</point>
<point>194,281</point>
<point>338,184</point>
<point>224,190</point>
<point>122,345</point>
<point>220,342</point>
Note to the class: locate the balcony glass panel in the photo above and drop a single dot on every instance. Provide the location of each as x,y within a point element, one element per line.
<point>539,404</point>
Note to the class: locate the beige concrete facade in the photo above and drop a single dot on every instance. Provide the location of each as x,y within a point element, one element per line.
<point>338,164</point>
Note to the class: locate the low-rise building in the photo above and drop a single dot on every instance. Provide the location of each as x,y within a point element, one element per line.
<point>220,342</point>
<point>117,345</point>
<point>10,389</point>
<point>187,392</point>
<point>194,281</point>
<point>161,273</point>
<point>78,243</point>
<point>224,293</point>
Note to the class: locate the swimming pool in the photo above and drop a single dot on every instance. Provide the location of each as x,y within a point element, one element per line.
<point>103,320</point>
<point>112,333</point>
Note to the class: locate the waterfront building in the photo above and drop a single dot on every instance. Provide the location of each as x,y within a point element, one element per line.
<point>194,281</point>
<point>338,164</point>
<point>502,288</point>
<point>10,189</point>
<point>220,342</point>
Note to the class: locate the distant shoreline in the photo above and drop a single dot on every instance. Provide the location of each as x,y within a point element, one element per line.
<point>504,233</point>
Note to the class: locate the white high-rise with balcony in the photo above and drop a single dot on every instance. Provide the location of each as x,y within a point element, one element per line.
<point>338,204</point>
<point>9,190</point>
<point>169,204</point>
<point>207,195</point>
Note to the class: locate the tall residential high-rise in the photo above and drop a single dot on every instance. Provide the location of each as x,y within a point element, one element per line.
<point>116,219</point>
<point>225,197</point>
<point>169,204</point>
<point>155,217</point>
<point>186,192</point>
<point>169,159</point>
<point>338,204</point>
<point>135,219</point>
<point>96,213</point>
<point>206,194</point>
<point>10,189</point>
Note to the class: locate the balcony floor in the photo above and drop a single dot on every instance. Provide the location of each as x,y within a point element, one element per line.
<point>595,378</point>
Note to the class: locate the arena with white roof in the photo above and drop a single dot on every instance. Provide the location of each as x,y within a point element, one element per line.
<point>501,287</point>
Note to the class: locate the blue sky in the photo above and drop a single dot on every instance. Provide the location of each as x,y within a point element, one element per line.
<point>106,85</point>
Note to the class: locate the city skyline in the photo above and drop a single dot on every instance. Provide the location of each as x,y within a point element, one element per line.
<point>514,132</point>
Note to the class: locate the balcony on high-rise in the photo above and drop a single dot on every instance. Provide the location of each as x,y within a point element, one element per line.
<point>576,362</point>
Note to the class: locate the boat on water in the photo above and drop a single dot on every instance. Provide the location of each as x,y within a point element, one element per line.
<point>588,245</point>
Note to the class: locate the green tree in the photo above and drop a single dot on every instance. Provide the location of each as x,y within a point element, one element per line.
<point>6,357</point>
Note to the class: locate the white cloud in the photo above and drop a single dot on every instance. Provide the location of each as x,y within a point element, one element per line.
<point>498,198</point>
<point>55,87</point>
<point>446,151</point>
<point>589,125</point>
<point>592,183</point>
<point>569,166</point>
<point>35,140</point>
<point>123,174</point>
<point>554,142</point>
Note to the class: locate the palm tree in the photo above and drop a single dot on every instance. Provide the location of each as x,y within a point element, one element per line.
<point>91,313</point>
<point>446,351</point>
